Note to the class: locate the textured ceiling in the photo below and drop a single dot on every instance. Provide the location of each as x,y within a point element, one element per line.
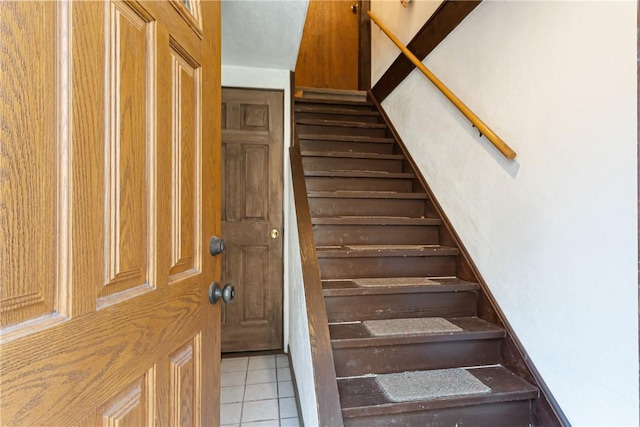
<point>262,33</point>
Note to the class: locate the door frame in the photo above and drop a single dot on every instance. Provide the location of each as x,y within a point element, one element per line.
<point>364,45</point>
<point>272,79</point>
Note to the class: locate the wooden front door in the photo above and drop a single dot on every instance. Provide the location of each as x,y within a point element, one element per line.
<point>252,147</point>
<point>328,56</point>
<point>109,192</point>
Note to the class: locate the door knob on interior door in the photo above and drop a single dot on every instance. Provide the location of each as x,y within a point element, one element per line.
<point>354,7</point>
<point>275,233</point>
<point>228,293</point>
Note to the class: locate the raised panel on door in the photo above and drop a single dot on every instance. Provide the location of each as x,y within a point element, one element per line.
<point>104,218</point>
<point>252,208</point>
<point>32,214</point>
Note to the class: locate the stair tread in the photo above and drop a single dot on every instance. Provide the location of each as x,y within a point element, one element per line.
<point>322,109</point>
<point>370,251</point>
<point>326,100</point>
<point>360,174</point>
<point>341,123</point>
<point>346,138</point>
<point>374,220</point>
<point>362,396</point>
<point>345,287</point>
<point>352,194</point>
<point>351,155</point>
<point>350,335</point>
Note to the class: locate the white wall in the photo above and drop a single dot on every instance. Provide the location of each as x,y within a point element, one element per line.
<point>405,21</point>
<point>299,343</point>
<point>553,233</point>
<point>263,33</point>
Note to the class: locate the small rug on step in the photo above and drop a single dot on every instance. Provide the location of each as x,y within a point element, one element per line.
<point>393,281</point>
<point>422,385</point>
<point>426,325</point>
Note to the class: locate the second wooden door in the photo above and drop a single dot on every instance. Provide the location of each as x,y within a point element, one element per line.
<point>252,147</point>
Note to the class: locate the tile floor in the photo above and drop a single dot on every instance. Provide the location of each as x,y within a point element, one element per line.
<point>257,391</point>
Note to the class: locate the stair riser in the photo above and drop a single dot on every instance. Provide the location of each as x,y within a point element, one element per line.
<point>345,268</point>
<point>512,414</point>
<point>326,235</point>
<point>396,306</point>
<point>318,115</point>
<point>326,207</point>
<point>311,163</point>
<point>317,183</point>
<point>346,146</point>
<point>340,130</point>
<point>398,358</point>
<point>337,104</point>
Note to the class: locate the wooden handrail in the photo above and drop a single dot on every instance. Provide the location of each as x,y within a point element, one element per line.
<point>475,120</point>
<point>324,370</point>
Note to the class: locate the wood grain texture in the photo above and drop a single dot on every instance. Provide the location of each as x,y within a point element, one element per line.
<point>103,115</point>
<point>515,357</point>
<point>30,155</point>
<point>443,21</point>
<point>324,372</point>
<point>328,56</point>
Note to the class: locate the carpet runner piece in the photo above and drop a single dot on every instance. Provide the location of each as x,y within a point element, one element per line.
<point>393,281</point>
<point>422,325</point>
<point>423,385</point>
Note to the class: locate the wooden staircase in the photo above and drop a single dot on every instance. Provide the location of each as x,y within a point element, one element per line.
<point>384,253</point>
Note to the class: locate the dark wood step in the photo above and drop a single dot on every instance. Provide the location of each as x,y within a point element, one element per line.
<point>356,351</point>
<point>507,404</point>
<point>377,251</point>
<point>320,145</point>
<point>341,127</point>
<point>340,263</point>
<point>365,105</point>
<point>334,182</point>
<point>342,161</point>
<point>349,287</point>
<point>366,203</point>
<point>328,113</point>
<point>375,231</point>
<point>345,138</point>
<point>304,92</point>
<point>345,301</point>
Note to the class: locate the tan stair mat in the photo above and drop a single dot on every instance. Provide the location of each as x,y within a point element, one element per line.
<point>423,385</point>
<point>420,325</point>
<point>393,281</point>
<point>383,247</point>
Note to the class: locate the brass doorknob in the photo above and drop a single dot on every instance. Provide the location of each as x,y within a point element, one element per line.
<point>354,7</point>
<point>275,233</point>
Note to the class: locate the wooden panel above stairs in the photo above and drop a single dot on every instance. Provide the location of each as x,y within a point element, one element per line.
<point>385,253</point>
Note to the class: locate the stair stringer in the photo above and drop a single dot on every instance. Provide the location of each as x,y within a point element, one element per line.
<point>515,358</point>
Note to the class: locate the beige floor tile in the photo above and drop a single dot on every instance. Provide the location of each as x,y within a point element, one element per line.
<point>234,365</point>
<point>285,389</point>
<point>233,394</point>
<point>262,376</point>
<point>260,410</point>
<point>288,408</point>
<point>232,378</point>
<point>261,392</point>
<point>284,374</point>
<point>261,363</point>
<point>230,413</point>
